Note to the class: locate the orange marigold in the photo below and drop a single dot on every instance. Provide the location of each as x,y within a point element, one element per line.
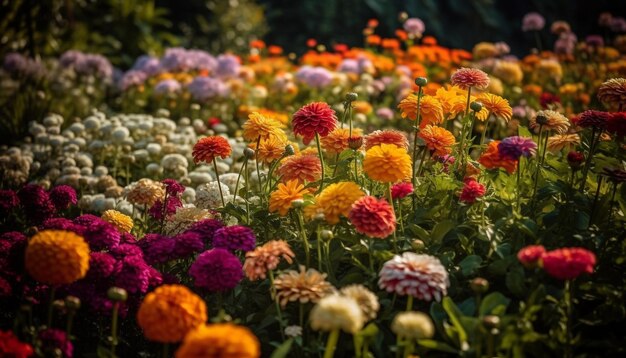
<point>169,312</point>
<point>491,159</point>
<point>391,136</point>
<point>304,168</point>
<point>430,109</point>
<point>337,199</point>
<point>337,140</point>
<point>438,140</point>
<point>387,163</point>
<point>209,148</point>
<point>284,195</point>
<point>496,105</point>
<point>57,257</point>
<point>223,340</point>
<point>259,126</point>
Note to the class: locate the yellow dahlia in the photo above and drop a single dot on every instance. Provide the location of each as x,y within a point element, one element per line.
<point>169,312</point>
<point>284,195</point>
<point>57,257</point>
<point>387,163</point>
<point>337,140</point>
<point>413,325</point>
<point>496,105</point>
<point>270,149</point>
<point>258,125</point>
<point>509,72</point>
<point>337,199</point>
<point>122,222</point>
<point>220,340</point>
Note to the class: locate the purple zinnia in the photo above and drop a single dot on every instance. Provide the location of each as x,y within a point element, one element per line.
<point>349,65</point>
<point>204,88</point>
<point>12,251</point>
<point>216,270</point>
<point>166,87</point>
<point>172,187</point>
<point>96,65</point>
<point>52,339</point>
<point>133,274</point>
<point>101,235</point>
<point>124,250</point>
<point>594,40</point>
<point>316,77</point>
<point>101,265</point>
<point>63,196</point>
<point>87,220</point>
<point>177,59</point>
<point>186,244</point>
<point>157,248</point>
<point>235,237</point>
<point>206,228</point>
<point>592,118</point>
<point>516,146</point>
<point>8,201</point>
<point>132,78</point>
<point>36,203</point>
<point>533,21</point>
<point>173,203</point>
<point>148,64</point>
<point>155,278</point>
<point>62,224</point>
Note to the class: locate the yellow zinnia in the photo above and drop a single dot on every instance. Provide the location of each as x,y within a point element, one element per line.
<point>387,163</point>
<point>270,149</point>
<point>57,257</point>
<point>496,105</point>
<point>337,199</point>
<point>284,195</point>
<point>122,222</point>
<point>258,126</point>
<point>224,340</point>
<point>430,109</point>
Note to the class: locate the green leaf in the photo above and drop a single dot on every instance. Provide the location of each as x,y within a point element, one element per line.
<point>493,303</point>
<point>515,282</point>
<point>283,349</point>
<point>441,229</point>
<point>455,317</point>
<point>523,132</point>
<point>438,346</point>
<point>470,264</point>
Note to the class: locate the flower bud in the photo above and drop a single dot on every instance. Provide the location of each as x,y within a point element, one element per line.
<point>298,203</point>
<point>479,285</point>
<point>31,231</point>
<point>421,81</point>
<point>289,150</point>
<point>351,97</point>
<point>418,245</point>
<point>249,153</point>
<point>575,160</point>
<point>476,106</point>
<point>319,217</point>
<point>355,143</point>
<point>117,294</point>
<point>58,305</point>
<point>491,321</point>
<point>72,302</point>
<point>403,16</point>
<point>327,235</point>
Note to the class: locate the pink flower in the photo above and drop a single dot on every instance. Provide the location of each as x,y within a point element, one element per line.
<point>373,217</point>
<point>472,190</point>
<point>568,263</point>
<point>530,255</point>
<point>401,190</point>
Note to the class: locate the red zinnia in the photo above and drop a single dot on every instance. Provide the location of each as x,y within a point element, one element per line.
<point>373,217</point>
<point>472,190</point>
<point>530,255</point>
<point>208,148</point>
<point>465,78</point>
<point>316,117</point>
<point>591,118</point>
<point>575,160</point>
<point>10,346</point>
<point>568,263</point>
<point>401,190</point>
<point>617,124</point>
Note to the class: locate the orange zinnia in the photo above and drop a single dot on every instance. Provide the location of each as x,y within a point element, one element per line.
<point>430,108</point>
<point>284,195</point>
<point>491,159</point>
<point>208,148</point>
<point>438,140</point>
<point>496,105</point>
<point>337,140</point>
<point>304,168</point>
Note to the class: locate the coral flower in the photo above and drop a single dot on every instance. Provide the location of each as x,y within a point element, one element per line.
<point>56,257</point>
<point>387,163</point>
<point>514,147</point>
<point>169,312</point>
<point>431,111</point>
<point>224,340</point>
<point>337,199</point>
<point>472,190</point>
<point>209,148</point>
<point>401,190</point>
<point>270,149</point>
<point>496,105</point>
<point>420,276</point>
<point>529,256</point>
<point>491,158</point>
<point>284,195</point>
<point>568,263</point>
<point>372,217</point>
<point>558,142</point>
<point>314,118</point>
<point>122,222</point>
<point>466,78</point>
<point>303,168</point>
<point>438,140</point>
<point>613,91</point>
<point>337,140</point>
<point>550,120</point>
<point>303,286</point>
<point>258,126</point>
<point>266,258</point>
<point>391,136</point>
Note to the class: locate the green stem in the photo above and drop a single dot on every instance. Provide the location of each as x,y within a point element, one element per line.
<point>279,312</point>
<point>331,343</point>
<point>116,307</point>
<point>417,126</point>
<point>408,348</point>
<point>166,350</point>
<point>567,297</point>
<point>243,166</point>
<point>319,248</point>
<point>305,241</point>
<point>258,170</point>
<point>409,303</point>
<point>482,136</point>
<point>219,185</point>
<point>399,217</point>
<point>592,148</point>
<point>532,200</point>
<point>422,159</point>
<point>595,199</point>
<point>390,201</point>
<point>246,178</point>
<point>321,155</point>
<point>519,189</point>
<point>51,306</point>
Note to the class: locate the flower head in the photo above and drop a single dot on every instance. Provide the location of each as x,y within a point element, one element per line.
<point>492,158</point>
<point>496,105</point>
<point>55,339</point>
<point>373,217</point>
<point>337,312</point>
<point>529,256</point>
<point>413,325</point>
<point>284,195</point>
<point>11,346</point>
<point>472,190</point>
<point>336,200</point>
<point>270,149</point>
<point>259,126</point>
<point>401,190</point>
<point>613,91</point>
<point>314,118</point>
<point>266,258</point>
<point>337,140</point>
<point>568,263</point>
<point>209,148</point>
<point>617,124</point>
<point>8,201</point>
<point>438,140</point>
<point>224,340</point>
<point>367,300</point>
<point>236,237</point>
<point>387,163</point>
<point>122,222</point>
<point>63,196</point>
<point>466,78</point>
<point>592,118</point>
<point>421,276</point>
<point>550,120</point>
<point>145,192</point>
<point>431,111</point>
<point>303,168</point>
<point>216,270</point>
<point>386,137</point>
<point>303,286</point>
<point>533,21</point>
<point>57,257</point>
<point>169,312</point>
<point>516,146</point>
<point>206,228</point>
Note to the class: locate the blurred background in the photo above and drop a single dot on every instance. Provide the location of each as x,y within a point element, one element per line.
<point>122,30</point>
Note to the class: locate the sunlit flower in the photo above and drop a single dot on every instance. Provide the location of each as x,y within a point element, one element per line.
<point>401,190</point>
<point>57,257</point>
<point>413,325</point>
<point>122,222</point>
<point>224,340</point>
<point>471,191</point>
<point>303,168</point>
<point>145,192</point>
<point>551,120</point>
<point>270,149</point>
<point>337,140</point>
<point>515,147</point>
<point>209,148</point>
<point>508,71</point>
<point>390,136</point>
<point>438,140</point>
<point>593,118</point>
<point>302,286</point>
<point>367,300</point>
<point>492,158</point>
<point>496,105</point>
<point>266,258</point>
<point>387,163</point>
<point>284,195</point>
<point>420,276</point>
<point>558,142</point>
<point>431,111</point>
<point>613,91</point>
<point>529,256</point>
<point>258,126</point>
<point>568,263</point>
<point>314,118</point>
<point>336,200</point>
<point>466,78</point>
<point>373,217</point>
<point>337,312</point>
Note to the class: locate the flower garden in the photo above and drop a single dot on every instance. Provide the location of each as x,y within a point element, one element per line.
<point>400,199</point>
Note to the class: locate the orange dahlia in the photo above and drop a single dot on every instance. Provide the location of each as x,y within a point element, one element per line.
<point>466,78</point>
<point>284,195</point>
<point>304,168</point>
<point>430,108</point>
<point>492,158</point>
<point>220,340</point>
<point>373,217</point>
<point>337,199</point>
<point>438,140</point>
<point>57,257</point>
<point>390,136</point>
<point>387,163</point>
<point>260,126</point>
<point>266,258</point>
<point>314,118</point>
<point>337,140</point>
<point>270,149</point>
<point>447,97</point>
<point>209,148</point>
<point>496,105</point>
<point>169,312</point>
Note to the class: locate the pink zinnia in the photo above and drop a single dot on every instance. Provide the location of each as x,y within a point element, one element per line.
<point>401,190</point>
<point>472,190</point>
<point>373,217</point>
<point>314,118</point>
<point>420,276</point>
<point>466,78</point>
<point>530,255</point>
<point>568,263</point>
